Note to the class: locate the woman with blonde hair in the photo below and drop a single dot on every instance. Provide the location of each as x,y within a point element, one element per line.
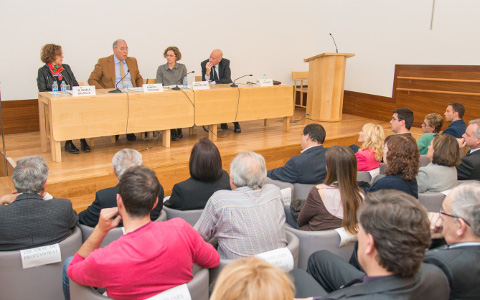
<point>252,278</point>
<point>370,153</point>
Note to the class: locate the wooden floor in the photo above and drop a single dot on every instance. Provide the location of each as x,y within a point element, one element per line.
<point>78,177</point>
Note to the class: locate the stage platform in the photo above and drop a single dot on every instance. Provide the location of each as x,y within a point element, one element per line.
<point>78,177</point>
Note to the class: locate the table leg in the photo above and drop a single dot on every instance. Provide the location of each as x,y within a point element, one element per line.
<point>56,149</point>
<point>286,123</point>
<point>166,138</point>
<point>92,142</point>
<point>191,130</point>
<point>265,122</point>
<point>212,132</point>
<point>43,133</point>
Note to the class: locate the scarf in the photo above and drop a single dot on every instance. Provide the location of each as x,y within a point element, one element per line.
<point>56,71</point>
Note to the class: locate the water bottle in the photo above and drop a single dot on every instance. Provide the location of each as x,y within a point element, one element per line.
<point>55,87</point>
<point>185,83</point>
<point>63,86</point>
<point>264,76</point>
<point>125,86</point>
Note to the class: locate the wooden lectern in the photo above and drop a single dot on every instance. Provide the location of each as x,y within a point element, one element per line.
<point>326,78</point>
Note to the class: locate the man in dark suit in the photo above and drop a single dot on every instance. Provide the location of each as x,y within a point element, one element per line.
<point>469,168</point>
<point>308,167</point>
<point>454,114</point>
<point>107,198</point>
<point>394,232</point>
<point>117,70</point>
<point>217,69</point>
<point>459,223</point>
<point>29,220</point>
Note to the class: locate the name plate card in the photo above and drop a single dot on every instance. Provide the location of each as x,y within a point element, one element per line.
<point>281,258</point>
<point>200,85</point>
<point>86,90</point>
<point>41,256</point>
<point>286,195</point>
<point>265,82</point>
<point>177,293</point>
<point>153,88</point>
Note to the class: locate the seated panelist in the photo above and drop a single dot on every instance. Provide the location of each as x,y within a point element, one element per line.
<point>52,71</point>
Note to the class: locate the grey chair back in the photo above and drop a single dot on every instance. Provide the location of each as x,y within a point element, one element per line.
<point>364,176</point>
<point>198,287</point>
<point>301,190</point>
<point>431,201</point>
<point>41,282</point>
<point>191,216</point>
<point>312,241</point>
<point>162,216</point>
<point>282,185</point>
<point>112,235</point>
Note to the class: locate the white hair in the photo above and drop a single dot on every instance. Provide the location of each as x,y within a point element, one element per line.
<point>248,169</point>
<point>466,204</point>
<point>125,159</point>
<point>30,174</point>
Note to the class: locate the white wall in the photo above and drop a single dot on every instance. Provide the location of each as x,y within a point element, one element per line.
<point>261,36</point>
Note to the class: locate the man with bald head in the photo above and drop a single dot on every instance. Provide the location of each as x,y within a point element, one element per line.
<point>217,69</point>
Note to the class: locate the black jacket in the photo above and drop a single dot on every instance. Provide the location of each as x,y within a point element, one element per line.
<point>45,78</point>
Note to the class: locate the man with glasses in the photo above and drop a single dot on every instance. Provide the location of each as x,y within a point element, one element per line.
<point>459,223</point>
<point>469,167</point>
<point>454,113</point>
<point>117,70</point>
<point>402,121</point>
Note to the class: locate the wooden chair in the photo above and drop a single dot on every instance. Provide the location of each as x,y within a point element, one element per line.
<point>198,78</point>
<point>149,80</point>
<point>302,78</point>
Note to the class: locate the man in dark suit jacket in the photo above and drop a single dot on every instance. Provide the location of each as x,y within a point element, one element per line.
<point>394,232</point>
<point>28,220</point>
<point>217,69</point>
<point>469,168</point>
<point>107,198</point>
<point>308,167</point>
<point>459,223</point>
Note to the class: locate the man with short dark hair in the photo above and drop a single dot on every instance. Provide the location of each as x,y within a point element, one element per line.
<point>106,198</point>
<point>402,121</point>
<point>249,219</point>
<point>454,114</point>
<point>150,257</point>
<point>469,167</point>
<point>310,166</point>
<point>393,235</point>
<point>30,219</point>
<point>459,223</point>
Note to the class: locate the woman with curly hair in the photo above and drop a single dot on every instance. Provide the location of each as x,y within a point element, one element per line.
<point>52,71</point>
<point>370,154</point>
<point>402,160</point>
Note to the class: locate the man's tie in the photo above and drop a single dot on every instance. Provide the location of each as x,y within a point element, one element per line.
<point>215,78</point>
<point>122,73</point>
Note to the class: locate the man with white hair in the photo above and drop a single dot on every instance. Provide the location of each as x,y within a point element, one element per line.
<point>28,220</point>
<point>469,168</point>
<point>107,198</point>
<point>250,218</point>
<point>459,223</point>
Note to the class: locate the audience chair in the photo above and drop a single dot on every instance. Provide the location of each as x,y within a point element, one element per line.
<point>431,201</point>
<point>191,216</point>
<point>41,282</point>
<point>301,190</point>
<point>198,288</point>
<point>149,81</point>
<point>424,160</point>
<point>312,241</point>
<point>198,78</point>
<point>292,245</point>
<point>364,176</point>
<point>301,77</point>
<point>282,185</point>
<point>111,236</point>
<point>162,216</point>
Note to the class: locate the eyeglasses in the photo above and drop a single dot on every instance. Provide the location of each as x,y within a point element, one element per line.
<point>395,119</point>
<point>169,55</point>
<point>426,125</point>
<point>442,212</point>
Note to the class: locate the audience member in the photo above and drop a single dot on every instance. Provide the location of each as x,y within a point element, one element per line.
<point>309,166</point>
<point>402,160</point>
<point>459,223</point>
<point>334,203</point>
<point>107,198</point>
<point>431,125</point>
<point>370,153</point>
<point>402,121</point>
<point>393,235</point>
<point>28,220</point>
<point>206,177</point>
<point>117,70</point>
<point>469,167</point>
<point>217,69</point>
<point>172,73</point>
<point>440,175</point>
<point>249,219</point>
<point>150,257</point>
<point>454,114</point>
<point>252,279</point>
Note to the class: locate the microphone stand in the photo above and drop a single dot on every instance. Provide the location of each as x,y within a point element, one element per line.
<point>235,85</point>
<point>3,136</point>
<point>117,90</point>
<point>176,88</point>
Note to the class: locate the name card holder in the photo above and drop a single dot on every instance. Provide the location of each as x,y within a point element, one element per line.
<point>281,258</point>
<point>86,90</point>
<point>178,292</point>
<point>200,85</point>
<point>153,88</point>
<point>41,256</point>
<point>286,195</point>
<point>265,82</point>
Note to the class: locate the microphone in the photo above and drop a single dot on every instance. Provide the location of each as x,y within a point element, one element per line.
<point>334,42</point>
<point>234,85</point>
<point>117,90</point>
<point>176,88</point>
